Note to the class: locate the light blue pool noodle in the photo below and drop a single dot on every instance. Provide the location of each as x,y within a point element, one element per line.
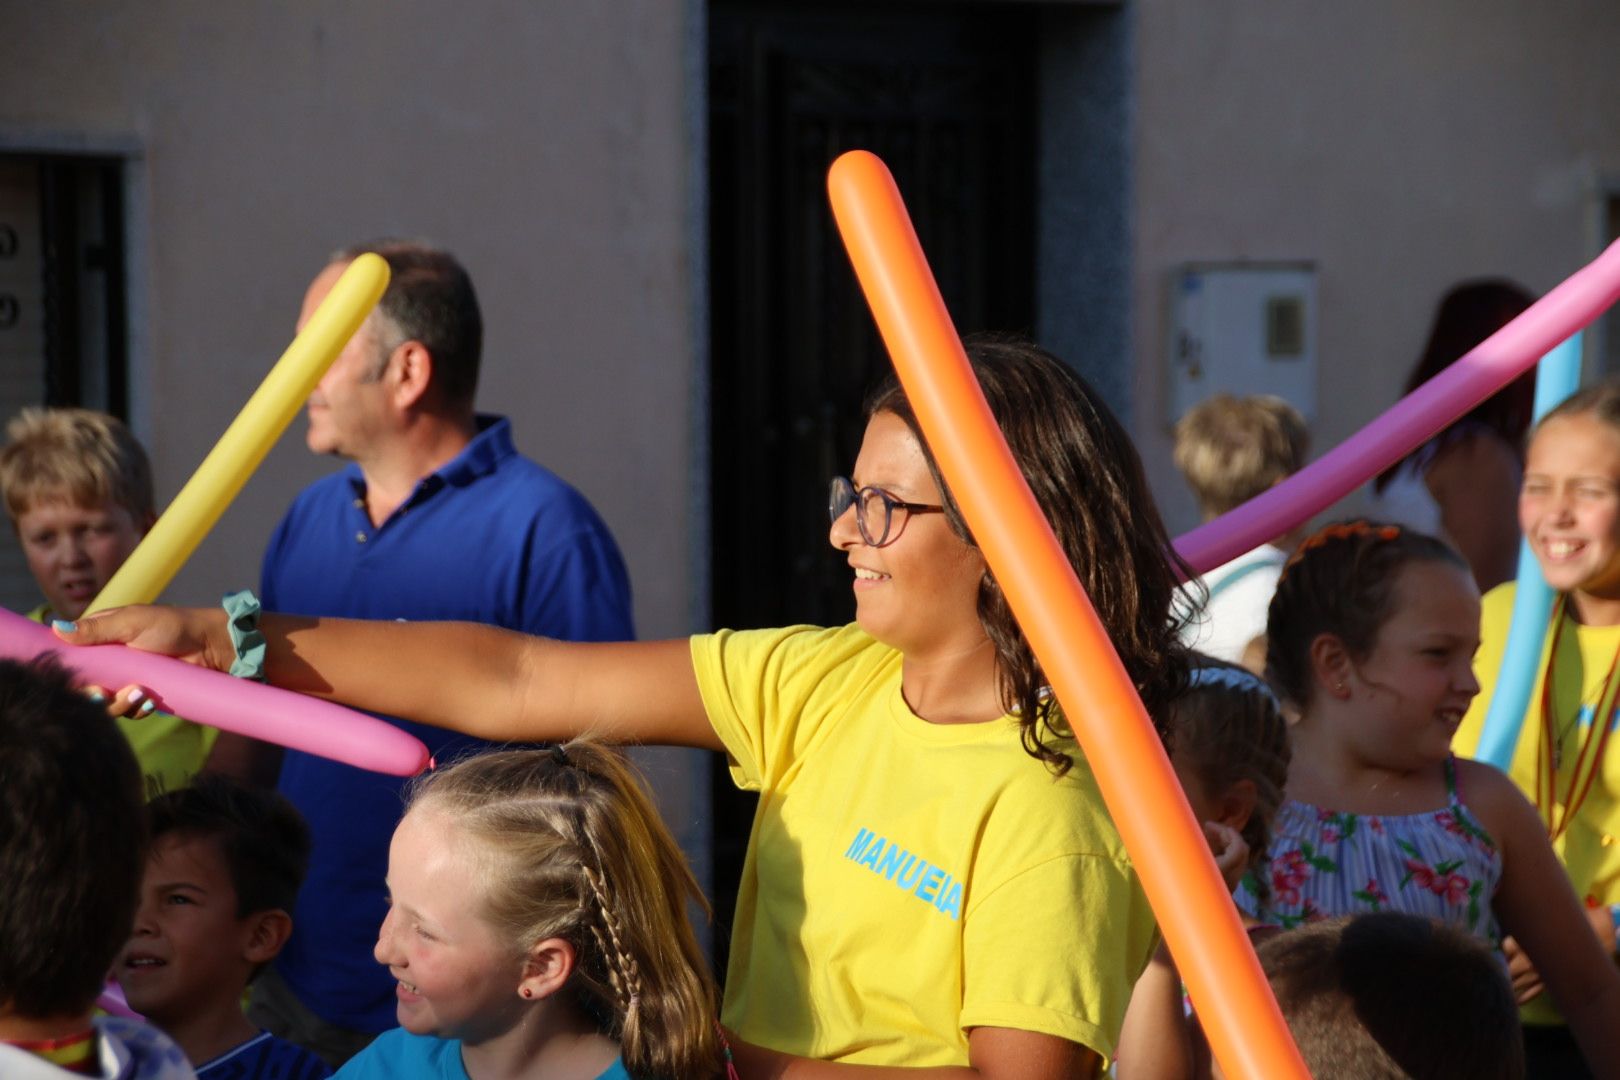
<point>1557,376</point>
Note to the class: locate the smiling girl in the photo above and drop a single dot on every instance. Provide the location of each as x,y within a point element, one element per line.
<point>537,928</point>
<point>1569,511</point>
<point>932,880</point>
<point>1371,636</point>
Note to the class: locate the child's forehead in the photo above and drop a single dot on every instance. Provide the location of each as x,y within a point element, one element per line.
<point>430,841</point>
<point>428,827</point>
<point>1573,439</point>
<point>190,850</point>
<point>64,501</point>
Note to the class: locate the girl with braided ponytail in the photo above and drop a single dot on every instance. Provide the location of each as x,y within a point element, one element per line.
<point>537,927</point>
<point>1229,747</point>
<point>1371,636</point>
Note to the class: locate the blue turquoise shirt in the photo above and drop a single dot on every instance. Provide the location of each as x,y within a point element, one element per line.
<point>399,1055</point>
<point>491,537</point>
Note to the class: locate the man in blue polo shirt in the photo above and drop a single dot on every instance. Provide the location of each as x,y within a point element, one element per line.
<point>436,517</point>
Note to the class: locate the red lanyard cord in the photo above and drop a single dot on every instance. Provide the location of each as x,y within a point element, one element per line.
<point>1575,794</point>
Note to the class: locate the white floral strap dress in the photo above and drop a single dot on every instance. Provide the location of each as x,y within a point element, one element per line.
<point>1440,864</point>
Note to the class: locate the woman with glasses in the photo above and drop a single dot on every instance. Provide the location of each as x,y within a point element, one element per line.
<point>932,879</point>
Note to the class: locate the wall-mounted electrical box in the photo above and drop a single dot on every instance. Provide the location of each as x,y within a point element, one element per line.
<point>1243,328</point>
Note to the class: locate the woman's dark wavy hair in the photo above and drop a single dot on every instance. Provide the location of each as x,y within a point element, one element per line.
<point>1088,479</point>
<point>1470,312</point>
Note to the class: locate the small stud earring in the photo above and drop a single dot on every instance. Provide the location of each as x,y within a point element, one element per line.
<point>1338,688</point>
<point>527,992</point>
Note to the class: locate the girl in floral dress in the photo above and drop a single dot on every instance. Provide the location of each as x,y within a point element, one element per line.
<point>1371,636</point>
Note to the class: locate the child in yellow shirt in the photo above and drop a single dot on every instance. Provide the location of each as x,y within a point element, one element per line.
<point>78,489</point>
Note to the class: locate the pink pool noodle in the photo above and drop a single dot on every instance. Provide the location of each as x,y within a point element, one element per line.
<point>237,705</point>
<point>1413,420</point>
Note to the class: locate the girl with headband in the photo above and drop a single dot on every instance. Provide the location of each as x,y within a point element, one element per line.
<point>1229,747</point>
<point>932,879</point>
<point>1372,635</point>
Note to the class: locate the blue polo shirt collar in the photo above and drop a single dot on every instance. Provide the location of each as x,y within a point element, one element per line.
<point>491,446</point>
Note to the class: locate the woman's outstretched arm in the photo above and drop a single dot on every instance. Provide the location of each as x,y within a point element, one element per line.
<point>492,683</point>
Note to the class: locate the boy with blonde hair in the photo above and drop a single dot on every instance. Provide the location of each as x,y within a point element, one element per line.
<point>1231,449</point>
<point>78,490</point>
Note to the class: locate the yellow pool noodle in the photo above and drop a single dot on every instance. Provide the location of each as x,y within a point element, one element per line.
<point>153,564</point>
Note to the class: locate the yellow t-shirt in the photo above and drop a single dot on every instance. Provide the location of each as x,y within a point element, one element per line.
<point>170,750</point>
<point>908,881</point>
<point>1585,654</point>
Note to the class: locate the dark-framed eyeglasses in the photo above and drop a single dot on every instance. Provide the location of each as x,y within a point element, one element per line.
<point>880,516</point>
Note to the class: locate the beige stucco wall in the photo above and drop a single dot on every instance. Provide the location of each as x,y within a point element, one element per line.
<point>547,144</point>
<point>1398,146</point>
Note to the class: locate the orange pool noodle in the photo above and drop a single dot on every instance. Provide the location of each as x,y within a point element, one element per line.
<point>1235,1005</point>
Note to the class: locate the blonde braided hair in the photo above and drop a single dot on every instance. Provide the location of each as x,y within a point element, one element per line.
<point>577,851</point>
<point>623,974</point>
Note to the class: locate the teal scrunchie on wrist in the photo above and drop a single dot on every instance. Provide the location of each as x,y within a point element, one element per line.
<point>247,641</point>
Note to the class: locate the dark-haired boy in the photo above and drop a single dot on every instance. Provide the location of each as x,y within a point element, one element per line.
<point>224,867</point>
<point>72,847</point>
<point>1391,996</point>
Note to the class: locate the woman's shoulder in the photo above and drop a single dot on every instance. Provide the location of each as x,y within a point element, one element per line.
<point>1077,820</point>
<point>809,653</point>
<point>803,637</point>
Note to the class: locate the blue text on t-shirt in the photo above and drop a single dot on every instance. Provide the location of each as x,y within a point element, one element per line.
<point>910,872</point>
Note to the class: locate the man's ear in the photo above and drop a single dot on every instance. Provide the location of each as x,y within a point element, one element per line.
<point>411,373</point>
<point>269,932</point>
<point>546,969</point>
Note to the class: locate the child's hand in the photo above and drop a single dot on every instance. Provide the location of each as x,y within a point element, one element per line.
<point>1231,852</point>
<point>1526,982</point>
<point>1603,926</point>
<point>131,701</point>
<point>1527,985</point>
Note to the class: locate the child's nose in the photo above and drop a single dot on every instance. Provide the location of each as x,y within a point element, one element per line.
<point>1563,506</point>
<point>145,923</point>
<point>384,951</point>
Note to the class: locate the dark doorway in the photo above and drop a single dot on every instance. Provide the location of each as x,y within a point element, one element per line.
<point>945,95</point>
<point>63,327</point>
